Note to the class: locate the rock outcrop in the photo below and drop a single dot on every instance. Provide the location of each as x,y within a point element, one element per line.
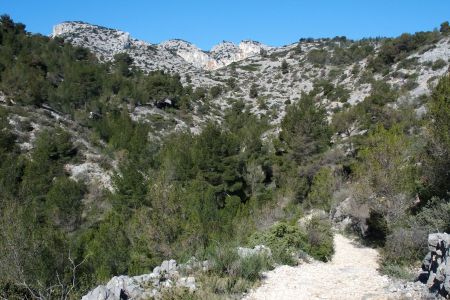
<point>169,55</point>
<point>436,264</point>
<point>167,275</point>
<point>106,43</point>
<point>257,250</point>
<point>146,286</point>
<point>226,53</point>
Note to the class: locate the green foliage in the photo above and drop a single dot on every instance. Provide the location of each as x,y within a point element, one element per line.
<point>438,153</point>
<point>253,93</point>
<point>438,64</point>
<point>284,67</point>
<point>107,248</point>
<point>331,91</point>
<point>226,261</point>
<point>298,48</point>
<point>123,62</point>
<point>305,129</point>
<point>215,91</point>
<point>356,52</point>
<point>52,150</point>
<point>394,50</point>
<point>250,67</point>
<point>434,216</point>
<point>320,195</point>
<point>319,239</point>
<point>32,253</point>
<point>197,194</point>
<point>377,228</point>
<point>284,240</point>
<point>398,271</point>
<point>445,28</point>
<point>386,167</point>
<point>318,57</point>
<point>64,202</point>
<point>38,70</point>
<point>405,246</point>
<point>373,109</point>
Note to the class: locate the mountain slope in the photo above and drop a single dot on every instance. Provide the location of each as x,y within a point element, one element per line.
<point>337,70</point>
<point>106,42</point>
<point>110,166</point>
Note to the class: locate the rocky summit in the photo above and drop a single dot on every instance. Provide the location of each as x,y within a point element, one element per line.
<point>107,42</point>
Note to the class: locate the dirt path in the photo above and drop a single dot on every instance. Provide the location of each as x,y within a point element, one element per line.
<point>352,274</point>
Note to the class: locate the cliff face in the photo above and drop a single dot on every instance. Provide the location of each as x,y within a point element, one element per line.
<point>106,43</point>
<point>167,55</point>
<point>226,53</point>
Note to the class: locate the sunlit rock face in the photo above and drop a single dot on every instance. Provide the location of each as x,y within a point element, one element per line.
<point>170,54</point>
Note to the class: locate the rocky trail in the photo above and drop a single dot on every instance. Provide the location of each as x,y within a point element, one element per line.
<point>352,274</point>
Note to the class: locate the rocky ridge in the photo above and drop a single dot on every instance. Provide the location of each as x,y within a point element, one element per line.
<point>164,277</point>
<point>169,55</point>
<point>220,55</point>
<point>148,285</point>
<point>238,68</point>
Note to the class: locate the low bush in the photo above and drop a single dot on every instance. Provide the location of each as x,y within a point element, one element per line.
<point>320,239</point>
<point>227,262</point>
<point>284,240</point>
<point>396,271</point>
<point>377,228</point>
<point>438,64</point>
<point>404,246</point>
<point>231,273</point>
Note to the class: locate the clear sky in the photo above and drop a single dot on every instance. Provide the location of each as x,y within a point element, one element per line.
<point>207,22</point>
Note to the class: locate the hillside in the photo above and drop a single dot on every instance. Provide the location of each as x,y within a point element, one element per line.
<point>334,68</point>
<point>117,156</point>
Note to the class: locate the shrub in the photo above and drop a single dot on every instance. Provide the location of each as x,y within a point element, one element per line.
<point>215,91</point>
<point>377,228</point>
<point>250,267</point>
<point>445,28</point>
<point>64,202</point>
<point>396,271</point>
<point>320,239</point>
<point>435,216</point>
<point>284,67</point>
<point>227,262</point>
<point>394,50</point>
<point>253,93</point>
<point>321,192</point>
<point>284,240</point>
<point>318,57</point>
<point>404,246</point>
<point>438,64</point>
<point>305,128</point>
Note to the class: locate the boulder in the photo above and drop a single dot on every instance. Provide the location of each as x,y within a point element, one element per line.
<point>187,282</point>
<point>146,286</point>
<point>436,264</point>
<point>99,293</point>
<point>169,266</point>
<point>257,250</point>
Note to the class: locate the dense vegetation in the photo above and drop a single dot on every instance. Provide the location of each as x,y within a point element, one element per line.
<point>180,197</point>
<point>205,194</point>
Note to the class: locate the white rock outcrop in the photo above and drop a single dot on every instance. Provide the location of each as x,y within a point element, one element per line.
<point>171,54</point>
<point>146,286</point>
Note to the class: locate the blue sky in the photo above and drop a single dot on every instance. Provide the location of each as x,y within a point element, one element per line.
<point>206,23</point>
